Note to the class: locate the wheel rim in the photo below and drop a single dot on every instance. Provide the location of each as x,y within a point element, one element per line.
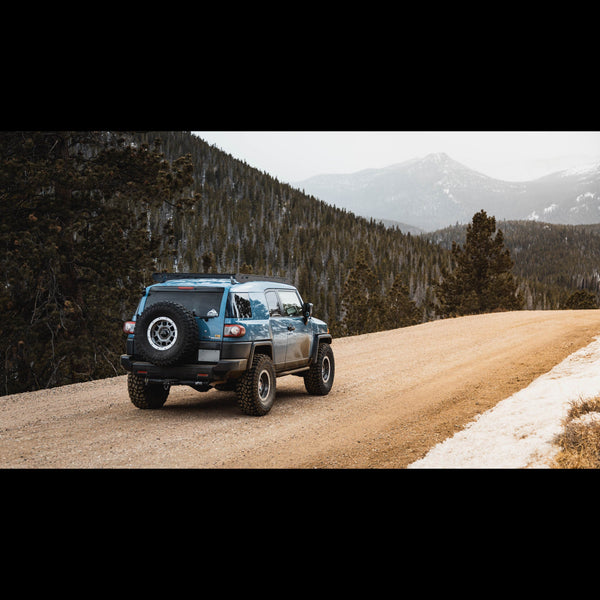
<point>264,385</point>
<point>325,369</point>
<point>162,333</point>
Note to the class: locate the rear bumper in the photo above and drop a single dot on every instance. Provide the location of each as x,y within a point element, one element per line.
<point>191,374</point>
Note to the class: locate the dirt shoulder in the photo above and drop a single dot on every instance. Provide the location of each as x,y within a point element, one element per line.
<point>396,394</point>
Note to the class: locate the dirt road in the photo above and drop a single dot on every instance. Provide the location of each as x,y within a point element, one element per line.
<point>396,394</point>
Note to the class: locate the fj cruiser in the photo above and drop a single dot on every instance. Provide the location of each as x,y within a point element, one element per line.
<point>231,332</point>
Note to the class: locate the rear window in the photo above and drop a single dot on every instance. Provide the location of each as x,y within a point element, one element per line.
<point>238,306</point>
<point>202,303</point>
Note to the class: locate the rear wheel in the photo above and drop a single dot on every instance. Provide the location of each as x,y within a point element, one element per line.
<point>143,395</point>
<point>256,388</point>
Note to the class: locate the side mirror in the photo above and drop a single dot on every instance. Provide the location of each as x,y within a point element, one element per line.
<point>307,310</point>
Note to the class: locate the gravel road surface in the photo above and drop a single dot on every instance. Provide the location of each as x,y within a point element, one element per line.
<point>396,394</point>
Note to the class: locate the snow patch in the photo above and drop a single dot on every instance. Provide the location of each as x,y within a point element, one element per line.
<point>587,419</point>
<point>586,169</point>
<point>450,195</point>
<point>585,195</point>
<point>518,432</point>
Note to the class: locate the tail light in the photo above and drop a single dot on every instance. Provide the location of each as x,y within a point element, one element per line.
<point>234,330</point>
<point>129,326</point>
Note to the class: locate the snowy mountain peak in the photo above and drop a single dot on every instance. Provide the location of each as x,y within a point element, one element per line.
<point>438,162</point>
<point>436,191</point>
<point>437,158</point>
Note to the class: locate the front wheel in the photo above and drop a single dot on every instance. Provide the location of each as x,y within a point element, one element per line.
<point>256,388</point>
<point>319,379</point>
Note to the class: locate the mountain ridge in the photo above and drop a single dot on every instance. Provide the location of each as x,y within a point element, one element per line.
<point>437,191</point>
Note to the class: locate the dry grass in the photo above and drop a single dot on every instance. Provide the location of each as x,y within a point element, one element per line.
<point>579,441</point>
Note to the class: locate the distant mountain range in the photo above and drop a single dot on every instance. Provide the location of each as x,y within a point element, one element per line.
<point>436,191</point>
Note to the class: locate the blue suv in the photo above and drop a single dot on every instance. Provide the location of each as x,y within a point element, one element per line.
<point>230,332</point>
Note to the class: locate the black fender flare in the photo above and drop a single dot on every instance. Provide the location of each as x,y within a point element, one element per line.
<point>264,344</point>
<point>320,338</point>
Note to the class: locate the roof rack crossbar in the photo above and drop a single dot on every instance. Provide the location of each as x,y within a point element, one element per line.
<point>243,277</point>
<point>239,277</point>
<point>162,277</point>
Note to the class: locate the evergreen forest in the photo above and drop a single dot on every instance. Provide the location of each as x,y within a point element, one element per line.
<point>551,262</point>
<point>86,217</point>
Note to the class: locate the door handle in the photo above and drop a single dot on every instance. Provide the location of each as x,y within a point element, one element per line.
<point>291,328</point>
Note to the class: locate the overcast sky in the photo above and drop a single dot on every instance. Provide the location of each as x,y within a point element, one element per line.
<point>292,156</point>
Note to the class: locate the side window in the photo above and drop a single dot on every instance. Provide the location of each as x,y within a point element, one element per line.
<point>238,306</point>
<point>273,304</point>
<point>291,303</point>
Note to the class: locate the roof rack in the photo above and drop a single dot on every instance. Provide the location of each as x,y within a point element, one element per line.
<point>162,277</point>
<point>239,277</point>
<point>243,277</point>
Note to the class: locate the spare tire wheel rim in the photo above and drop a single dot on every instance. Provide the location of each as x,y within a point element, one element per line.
<point>162,333</point>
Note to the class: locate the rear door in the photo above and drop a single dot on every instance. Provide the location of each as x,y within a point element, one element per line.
<point>204,302</point>
<point>278,329</point>
<point>298,333</point>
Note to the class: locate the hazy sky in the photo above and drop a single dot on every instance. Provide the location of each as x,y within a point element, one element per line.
<point>510,155</point>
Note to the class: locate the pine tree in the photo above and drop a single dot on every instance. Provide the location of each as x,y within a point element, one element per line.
<point>398,309</point>
<point>581,299</point>
<point>79,240</point>
<point>361,302</point>
<point>209,262</point>
<point>481,280</point>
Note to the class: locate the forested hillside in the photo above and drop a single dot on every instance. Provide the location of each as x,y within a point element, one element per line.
<point>551,261</point>
<point>245,218</point>
<point>248,217</point>
<point>83,223</point>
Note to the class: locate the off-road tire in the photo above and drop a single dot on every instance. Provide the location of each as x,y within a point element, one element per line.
<point>256,388</point>
<point>179,346</point>
<point>152,395</point>
<point>319,379</point>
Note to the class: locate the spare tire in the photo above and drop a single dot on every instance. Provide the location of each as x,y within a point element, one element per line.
<point>166,333</point>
